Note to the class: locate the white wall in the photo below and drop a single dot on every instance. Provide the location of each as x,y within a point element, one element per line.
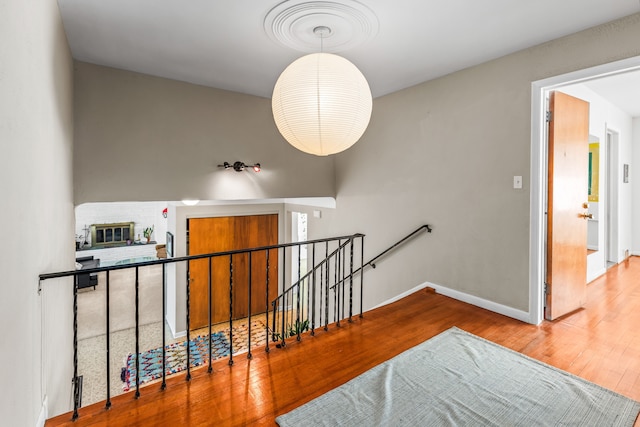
<point>36,143</point>
<point>144,214</point>
<point>604,115</point>
<point>634,181</point>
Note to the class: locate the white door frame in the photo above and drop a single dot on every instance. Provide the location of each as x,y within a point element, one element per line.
<point>539,93</point>
<point>611,227</point>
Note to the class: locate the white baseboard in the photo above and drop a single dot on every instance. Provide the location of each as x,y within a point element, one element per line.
<point>175,334</point>
<point>483,303</point>
<point>44,413</point>
<point>597,274</point>
<point>470,299</point>
<point>402,295</point>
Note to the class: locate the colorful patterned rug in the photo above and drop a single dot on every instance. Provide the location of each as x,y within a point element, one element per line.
<point>176,356</point>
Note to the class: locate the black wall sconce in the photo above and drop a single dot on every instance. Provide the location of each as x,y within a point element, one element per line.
<point>240,166</point>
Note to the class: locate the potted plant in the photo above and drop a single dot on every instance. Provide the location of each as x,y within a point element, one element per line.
<point>147,233</point>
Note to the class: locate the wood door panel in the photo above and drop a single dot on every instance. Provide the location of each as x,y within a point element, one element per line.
<point>259,297</point>
<point>209,235</point>
<point>201,242</point>
<point>567,191</point>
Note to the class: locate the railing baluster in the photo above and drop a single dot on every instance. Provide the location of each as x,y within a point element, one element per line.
<point>76,390</point>
<point>266,302</point>
<point>137,333</point>
<point>351,281</point>
<point>313,287</point>
<point>320,292</point>
<point>210,368</point>
<point>326,294</point>
<point>249,356</point>
<point>231,309</point>
<point>108,404</point>
<point>299,261</point>
<point>164,316</point>
<point>274,304</point>
<point>344,263</point>
<point>285,314</point>
<point>336,290</point>
<point>298,318</point>
<point>361,273</point>
<point>188,343</point>
<point>306,293</point>
<point>284,300</point>
<point>342,277</point>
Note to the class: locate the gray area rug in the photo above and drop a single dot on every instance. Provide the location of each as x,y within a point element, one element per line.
<point>459,379</point>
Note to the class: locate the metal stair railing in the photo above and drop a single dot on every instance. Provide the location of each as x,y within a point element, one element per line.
<point>279,249</point>
<point>291,317</point>
<point>318,297</point>
<point>310,296</point>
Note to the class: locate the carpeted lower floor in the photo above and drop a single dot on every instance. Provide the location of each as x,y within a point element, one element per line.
<point>175,355</point>
<point>92,354</point>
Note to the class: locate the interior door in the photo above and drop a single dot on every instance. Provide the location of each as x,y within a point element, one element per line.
<point>566,274</point>
<point>220,234</point>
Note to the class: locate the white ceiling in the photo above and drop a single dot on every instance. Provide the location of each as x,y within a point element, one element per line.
<point>622,90</point>
<point>226,43</point>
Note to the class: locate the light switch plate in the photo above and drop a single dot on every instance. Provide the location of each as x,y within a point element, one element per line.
<point>517,182</point>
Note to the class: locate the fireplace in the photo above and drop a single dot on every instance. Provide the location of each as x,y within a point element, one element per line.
<point>111,234</point>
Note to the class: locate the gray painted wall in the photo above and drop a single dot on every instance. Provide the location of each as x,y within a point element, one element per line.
<point>168,138</point>
<point>36,139</point>
<point>445,152</point>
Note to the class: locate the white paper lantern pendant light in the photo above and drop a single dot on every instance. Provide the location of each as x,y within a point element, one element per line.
<point>321,102</point>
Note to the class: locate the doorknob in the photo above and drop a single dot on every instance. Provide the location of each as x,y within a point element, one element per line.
<point>586,215</point>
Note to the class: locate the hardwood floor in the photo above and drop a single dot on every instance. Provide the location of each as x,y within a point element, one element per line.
<point>600,343</point>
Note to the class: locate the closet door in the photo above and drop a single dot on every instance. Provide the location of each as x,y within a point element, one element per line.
<point>219,234</point>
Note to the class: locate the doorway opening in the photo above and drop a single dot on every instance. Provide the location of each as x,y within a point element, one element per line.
<point>539,154</point>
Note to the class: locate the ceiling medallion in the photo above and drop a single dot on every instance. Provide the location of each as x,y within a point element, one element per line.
<point>292,24</point>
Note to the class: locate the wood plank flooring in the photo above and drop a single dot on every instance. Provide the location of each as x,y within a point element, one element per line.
<point>600,343</point>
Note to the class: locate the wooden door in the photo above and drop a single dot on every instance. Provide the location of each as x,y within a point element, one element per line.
<point>566,210</point>
<point>210,235</point>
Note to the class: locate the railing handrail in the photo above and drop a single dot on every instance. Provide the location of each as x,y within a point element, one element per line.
<point>298,324</point>
<point>398,243</point>
<point>172,260</point>
<point>371,262</point>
